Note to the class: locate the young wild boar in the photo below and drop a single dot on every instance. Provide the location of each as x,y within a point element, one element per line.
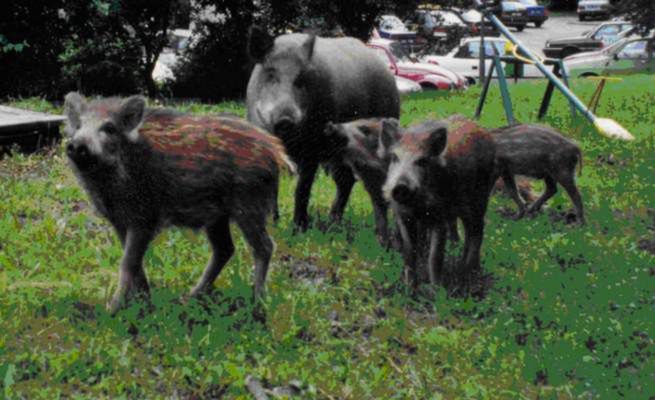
<point>301,82</point>
<point>147,169</point>
<point>356,144</point>
<point>539,152</point>
<point>439,171</point>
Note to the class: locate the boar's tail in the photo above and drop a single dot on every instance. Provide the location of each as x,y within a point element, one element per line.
<point>579,162</point>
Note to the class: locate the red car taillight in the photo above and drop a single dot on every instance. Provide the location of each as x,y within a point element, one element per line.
<point>474,29</point>
<point>439,29</point>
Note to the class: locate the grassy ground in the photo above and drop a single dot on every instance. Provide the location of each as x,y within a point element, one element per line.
<point>568,312</point>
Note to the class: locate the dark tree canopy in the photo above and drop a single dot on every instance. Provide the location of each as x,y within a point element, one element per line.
<point>641,12</point>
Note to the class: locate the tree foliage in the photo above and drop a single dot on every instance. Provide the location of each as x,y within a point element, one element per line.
<point>641,12</point>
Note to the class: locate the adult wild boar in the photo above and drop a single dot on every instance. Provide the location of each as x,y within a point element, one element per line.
<point>146,169</point>
<point>301,82</point>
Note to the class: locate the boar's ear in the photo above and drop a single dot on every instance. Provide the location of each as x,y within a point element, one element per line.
<point>73,107</point>
<point>390,132</point>
<point>259,43</point>
<point>437,141</point>
<point>308,47</point>
<point>130,115</point>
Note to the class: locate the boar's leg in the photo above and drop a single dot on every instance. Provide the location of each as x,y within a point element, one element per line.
<point>253,226</point>
<point>437,253</point>
<point>568,183</point>
<point>345,180</point>
<point>306,173</point>
<point>410,249</point>
<point>512,190</point>
<point>131,277</point>
<point>473,234</point>
<point>380,207</point>
<point>220,240</point>
<point>551,189</point>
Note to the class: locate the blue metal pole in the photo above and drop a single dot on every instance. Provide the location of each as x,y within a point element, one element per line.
<point>569,94</point>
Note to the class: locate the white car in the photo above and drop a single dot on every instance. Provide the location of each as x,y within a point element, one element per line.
<point>465,58</point>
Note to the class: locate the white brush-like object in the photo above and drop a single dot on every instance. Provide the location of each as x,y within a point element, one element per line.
<point>612,129</point>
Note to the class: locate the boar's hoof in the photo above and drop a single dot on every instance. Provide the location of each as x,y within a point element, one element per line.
<point>124,295</point>
<point>300,225</point>
<point>520,214</point>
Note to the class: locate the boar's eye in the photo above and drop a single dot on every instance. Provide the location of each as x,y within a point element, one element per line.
<point>109,129</point>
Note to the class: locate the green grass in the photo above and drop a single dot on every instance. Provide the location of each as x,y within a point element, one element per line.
<point>569,313</point>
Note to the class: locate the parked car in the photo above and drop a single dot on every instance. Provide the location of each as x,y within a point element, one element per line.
<point>514,14</point>
<point>391,27</point>
<point>601,36</point>
<point>537,14</point>
<point>594,8</point>
<point>435,22</point>
<point>473,18</point>
<point>631,55</point>
<point>465,58</point>
<point>402,64</point>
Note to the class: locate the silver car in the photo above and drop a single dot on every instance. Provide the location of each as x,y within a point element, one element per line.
<point>632,55</point>
<point>594,8</point>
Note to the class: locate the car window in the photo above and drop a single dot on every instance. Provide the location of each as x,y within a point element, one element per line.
<point>510,6</point>
<point>607,31</point>
<point>473,49</point>
<point>634,50</point>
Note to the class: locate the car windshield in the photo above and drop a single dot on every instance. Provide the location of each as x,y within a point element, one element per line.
<point>400,53</point>
<point>392,23</point>
<point>472,16</point>
<point>512,6</point>
<point>529,2</point>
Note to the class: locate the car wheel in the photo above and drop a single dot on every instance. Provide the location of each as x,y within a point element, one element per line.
<point>538,24</point>
<point>520,28</point>
<point>587,74</point>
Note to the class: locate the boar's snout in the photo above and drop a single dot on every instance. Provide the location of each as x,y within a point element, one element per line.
<point>284,125</point>
<point>402,194</point>
<point>80,154</point>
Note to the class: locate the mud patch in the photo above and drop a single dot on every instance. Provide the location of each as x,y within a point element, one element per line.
<point>557,216</point>
<point>305,270</point>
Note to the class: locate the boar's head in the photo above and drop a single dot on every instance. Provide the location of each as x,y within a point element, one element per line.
<point>284,81</point>
<point>98,131</point>
<point>413,156</point>
<point>357,141</point>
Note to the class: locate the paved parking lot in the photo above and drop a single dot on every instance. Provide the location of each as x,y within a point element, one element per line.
<point>555,28</point>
